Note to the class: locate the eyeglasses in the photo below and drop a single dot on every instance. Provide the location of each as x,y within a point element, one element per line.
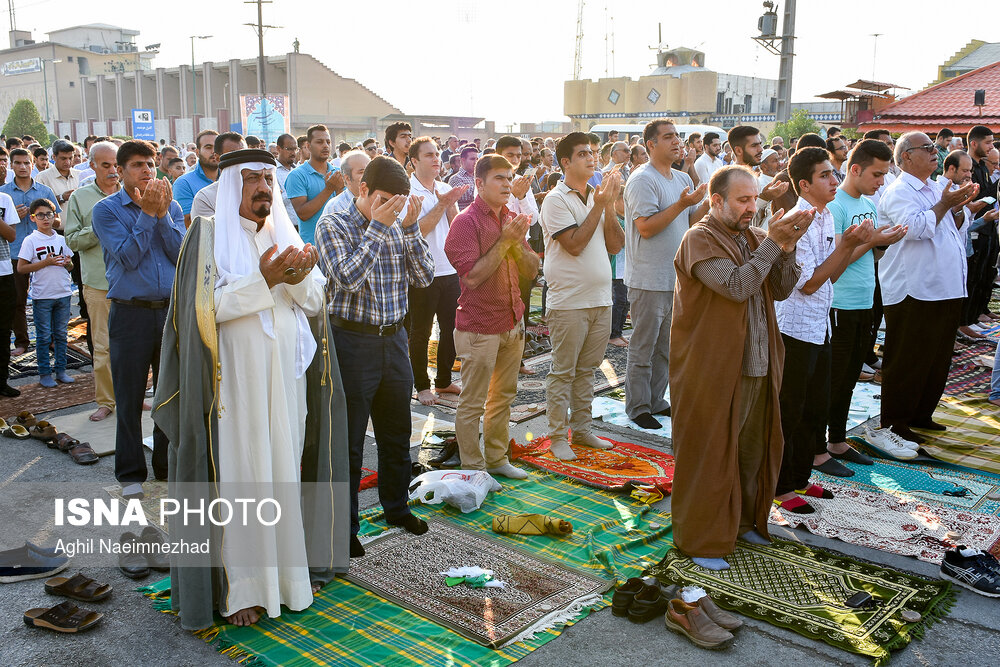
<point>372,149</point>
<point>44,216</point>
<point>930,148</point>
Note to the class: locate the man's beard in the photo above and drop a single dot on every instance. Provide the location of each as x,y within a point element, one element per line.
<point>261,207</point>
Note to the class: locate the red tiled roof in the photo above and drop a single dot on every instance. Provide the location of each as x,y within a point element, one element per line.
<point>949,103</point>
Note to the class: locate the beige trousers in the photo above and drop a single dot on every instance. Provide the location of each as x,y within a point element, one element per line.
<point>98,308</point>
<point>489,384</point>
<point>579,340</point>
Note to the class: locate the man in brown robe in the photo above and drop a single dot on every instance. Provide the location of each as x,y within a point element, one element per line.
<point>725,368</point>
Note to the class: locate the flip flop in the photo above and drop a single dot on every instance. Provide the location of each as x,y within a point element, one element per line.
<point>78,587</point>
<point>64,617</point>
<point>15,431</point>
<point>64,442</point>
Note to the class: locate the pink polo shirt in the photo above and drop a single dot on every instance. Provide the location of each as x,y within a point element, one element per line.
<point>495,306</point>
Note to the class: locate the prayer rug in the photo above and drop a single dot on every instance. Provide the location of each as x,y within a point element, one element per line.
<point>37,399</point>
<point>536,595</point>
<point>612,411</point>
<point>153,491</point>
<point>804,589</point>
<point>973,436</point>
<point>421,425</point>
<point>616,469</point>
<point>967,378</point>
<point>969,352</point>
<point>612,537</point>
<point>896,524</point>
<point>27,364</point>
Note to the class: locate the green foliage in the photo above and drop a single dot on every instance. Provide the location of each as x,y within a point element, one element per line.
<point>25,119</point>
<point>852,133</point>
<point>800,123</point>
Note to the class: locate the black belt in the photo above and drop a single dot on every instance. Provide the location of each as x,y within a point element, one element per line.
<point>139,303</point>
<point>360,327</point>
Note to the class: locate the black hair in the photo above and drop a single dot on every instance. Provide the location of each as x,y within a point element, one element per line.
<point>38,152</point>
<point>653,128</point>
<point>831,142</point>
<point>810,139</point>
<point>954,159</point>
<point>384,173</point>
<point>867,151</point>
<point>174,160</point>
<point>945,133</point>
<point>739,135</point>
<point>315,128</point>
<point>136,147</point>
<point>507,141</point>
<point>803,164</point>
<point>876,133</point>
<point>979,132</point>
<point>229,136</point>
<point>392,132</point>
<point>284,137</point>
<point>197,141</point>
<point>38,203</point>
<point>17,152</point>
<point>710,137</point>
<point>569,144</point>
<point>253,141</point>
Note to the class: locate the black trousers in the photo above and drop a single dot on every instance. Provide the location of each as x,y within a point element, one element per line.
<point>804,401</point>
<point>377,383</point>
<point>877,313</point>
<point>440,298</point>
<point>8,298</point>
<point>19,323</point>
<point>919,341</point>
<point>979,281</point>
<point>134,338</point>
<point>849,344</point>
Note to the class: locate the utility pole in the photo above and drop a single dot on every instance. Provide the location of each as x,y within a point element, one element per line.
<point>784,111</point>
<point>578,53</point>
<point>259,29</point>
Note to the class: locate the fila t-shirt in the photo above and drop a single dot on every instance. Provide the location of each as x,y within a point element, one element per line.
<point>52,282</point>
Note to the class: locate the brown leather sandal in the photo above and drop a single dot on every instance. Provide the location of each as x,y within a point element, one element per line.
<point>64,442</point>
<point>64,617</point>
<point>24,418</point>
<point>43,431</point>
<point>83,453</point>
<point>78,587</point>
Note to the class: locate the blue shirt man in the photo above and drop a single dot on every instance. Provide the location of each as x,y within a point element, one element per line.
<point>188,185</point>
<point>305,181</point>
<point>140,251</point>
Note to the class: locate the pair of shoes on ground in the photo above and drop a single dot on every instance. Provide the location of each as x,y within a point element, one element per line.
<point>700,620</point>
<point>136,562</point>
<point>67,617</point>
<point>25,425</point>
<point>834,467</point>
<point>972,569</point>
<point>898,442</point>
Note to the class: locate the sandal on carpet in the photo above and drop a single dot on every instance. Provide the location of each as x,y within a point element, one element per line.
<point>815,491</point>
<point>795,506</point>
<point>43,431</point>
<point>78,587</point>
<point>24,418</point>
<point>15,431</point>
<point>82,453</point>
<point>64,617</point>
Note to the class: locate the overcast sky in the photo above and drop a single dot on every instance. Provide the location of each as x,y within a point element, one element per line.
<point>507,60</point>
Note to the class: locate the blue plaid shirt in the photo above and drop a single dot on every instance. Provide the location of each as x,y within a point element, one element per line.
<point>371,266</point>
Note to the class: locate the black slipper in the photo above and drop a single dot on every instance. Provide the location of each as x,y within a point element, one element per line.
<point>357,549</point>
<point>930,425</point>
<point>412,524</point>
<point>854,456</point>
<point>835,468</point>
<point>648,421</point>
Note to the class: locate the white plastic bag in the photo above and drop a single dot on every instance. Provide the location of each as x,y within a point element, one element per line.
<point>464,489</point>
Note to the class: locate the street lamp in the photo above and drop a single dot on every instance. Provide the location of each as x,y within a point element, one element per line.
<point>194,88</point>
<point>45,86</point>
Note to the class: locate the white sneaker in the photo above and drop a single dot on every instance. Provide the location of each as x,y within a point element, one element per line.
<point>891,443</point>
<point>865,368</point>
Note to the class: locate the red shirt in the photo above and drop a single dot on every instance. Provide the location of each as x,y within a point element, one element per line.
<point>495,306</point>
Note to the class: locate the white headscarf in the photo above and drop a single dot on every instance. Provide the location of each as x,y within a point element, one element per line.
<point>235,258</point>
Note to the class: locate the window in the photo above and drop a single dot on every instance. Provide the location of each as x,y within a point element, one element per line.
<point>729,105</point>
<point>614,96</point>
<point>69,58</point>
<point>747,104</point>
<point>774,104</point>
<point>720,103</point>
<point>72,83</point>
<point>653,95</point>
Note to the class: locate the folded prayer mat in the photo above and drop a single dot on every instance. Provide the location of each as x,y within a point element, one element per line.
<point>531,524</point>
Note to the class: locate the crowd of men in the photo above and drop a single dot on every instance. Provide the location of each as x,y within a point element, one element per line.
<point>756,277</point>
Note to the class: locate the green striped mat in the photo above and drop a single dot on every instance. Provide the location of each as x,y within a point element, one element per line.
<point>613,537</point>
<point>973,436</point>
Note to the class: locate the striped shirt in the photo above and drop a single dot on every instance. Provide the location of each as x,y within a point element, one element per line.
<point>371,266</point>
<point>739,283</point>
<point>457,180</point>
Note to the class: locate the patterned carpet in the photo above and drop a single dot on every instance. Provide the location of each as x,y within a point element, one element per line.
<point>38,400</point>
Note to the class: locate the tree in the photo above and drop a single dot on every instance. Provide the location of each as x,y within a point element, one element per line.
<point>25,119</point>
<point>800,123</point>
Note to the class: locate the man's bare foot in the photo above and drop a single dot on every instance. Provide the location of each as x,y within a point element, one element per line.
<point>316,587</point>
<point>100,414</point>
<point>985,319</point>
<point>618,342</point>
<point>970,332</point>
<point>245,617</point>
<point>450,389</point>
<point>525,370</point>
<point>426,397</point>
<point>146,406</point>
<point>17,352</point>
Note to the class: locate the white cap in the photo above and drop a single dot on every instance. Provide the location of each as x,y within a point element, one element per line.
<point>768,152</point>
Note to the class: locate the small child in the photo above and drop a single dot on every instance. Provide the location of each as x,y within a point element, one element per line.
<point>45,255</point>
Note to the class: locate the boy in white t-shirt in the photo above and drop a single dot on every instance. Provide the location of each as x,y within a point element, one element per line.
<point>45,255</point>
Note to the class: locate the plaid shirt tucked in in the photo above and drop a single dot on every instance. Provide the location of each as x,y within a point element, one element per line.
<point>370,266</point>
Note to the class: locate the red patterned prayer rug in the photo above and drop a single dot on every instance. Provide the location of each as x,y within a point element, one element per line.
<point>370,479</point>
<point>616,469</point>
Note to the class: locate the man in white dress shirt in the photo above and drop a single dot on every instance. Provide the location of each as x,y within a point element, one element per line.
<point>709,162</point>
<point>923,283</point>
<point>804,321</point>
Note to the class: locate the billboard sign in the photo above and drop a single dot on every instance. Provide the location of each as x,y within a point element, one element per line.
<point>25,66</point>
<point>266,118</point>
<point>143,126</point>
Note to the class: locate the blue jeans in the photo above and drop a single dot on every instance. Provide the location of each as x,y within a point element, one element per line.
<point>51,319</point>
<point>619,307</point>
<point>378,382</point>
<point>995,378</point>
